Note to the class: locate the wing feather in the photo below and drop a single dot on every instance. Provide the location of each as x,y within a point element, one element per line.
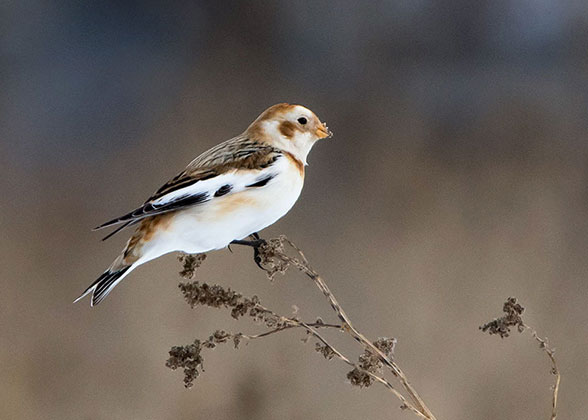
<point>233,166</point>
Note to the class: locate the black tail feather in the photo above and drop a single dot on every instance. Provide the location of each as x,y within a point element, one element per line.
<point>103,285</point>
<point>118,229</point>
<point>116,221</point>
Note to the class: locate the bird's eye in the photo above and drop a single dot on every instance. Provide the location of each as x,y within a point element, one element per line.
<point>302,120</point>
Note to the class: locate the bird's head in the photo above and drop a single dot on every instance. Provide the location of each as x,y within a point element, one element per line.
<point>292,128</point>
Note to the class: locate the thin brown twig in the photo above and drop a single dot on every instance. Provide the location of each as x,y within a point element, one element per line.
<point>288,323</point>
<point>190,359</point>
<point>310,328</point>
<point>554,370</point>
<point>286,327</point>
<point>512,318</point>
<point>273,259</point>
<point>302,264</point>
<point>383,381</point>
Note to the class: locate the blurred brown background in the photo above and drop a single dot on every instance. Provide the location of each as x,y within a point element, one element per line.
<point>457,177</point>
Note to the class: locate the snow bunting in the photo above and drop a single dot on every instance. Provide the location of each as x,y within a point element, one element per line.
<point>226,194</point>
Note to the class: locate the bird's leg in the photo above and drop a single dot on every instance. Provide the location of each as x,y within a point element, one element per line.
<point>256,256</point>
<point>255,243</point>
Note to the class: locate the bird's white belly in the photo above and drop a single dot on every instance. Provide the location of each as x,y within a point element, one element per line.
<point>214,224</point>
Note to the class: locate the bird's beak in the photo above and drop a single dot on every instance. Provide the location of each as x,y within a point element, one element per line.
<point>323,131</point>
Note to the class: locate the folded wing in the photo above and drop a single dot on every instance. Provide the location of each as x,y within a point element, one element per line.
<point>227,169</point>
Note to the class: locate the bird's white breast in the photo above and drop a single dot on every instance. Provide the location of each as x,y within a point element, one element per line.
<point>214,224</point>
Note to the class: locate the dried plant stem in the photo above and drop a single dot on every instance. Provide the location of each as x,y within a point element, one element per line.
<point>288,323</point>
<point>554,370</point>
<point>383,381</point>
<point>303,265</point>
<point>272,257</point>
<point>512,318</point>
<point>311,329</point>
<point>294,324</point>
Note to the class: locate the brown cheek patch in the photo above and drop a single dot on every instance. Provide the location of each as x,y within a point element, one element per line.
<point>288,129</point>
<point>271,113</point>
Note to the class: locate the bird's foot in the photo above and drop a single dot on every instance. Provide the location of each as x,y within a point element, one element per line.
<point>256,242</point>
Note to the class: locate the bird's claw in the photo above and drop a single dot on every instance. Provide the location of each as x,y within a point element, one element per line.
<point>257,254</point>
<point>255,243</point>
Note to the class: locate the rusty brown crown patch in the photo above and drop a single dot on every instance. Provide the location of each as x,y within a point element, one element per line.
<point>274,110</point>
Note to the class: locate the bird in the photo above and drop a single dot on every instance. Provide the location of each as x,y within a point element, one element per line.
<point>225,195</point>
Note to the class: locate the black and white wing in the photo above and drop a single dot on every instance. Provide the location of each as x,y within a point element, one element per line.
<point>228,168</point>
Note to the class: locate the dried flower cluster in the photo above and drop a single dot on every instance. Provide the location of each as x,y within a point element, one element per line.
<point>373,363</point>
<point>375,359</point>
<point>190,264</point>
<point>188,358</point>
<point>269,257</point>
<point>512,318</point>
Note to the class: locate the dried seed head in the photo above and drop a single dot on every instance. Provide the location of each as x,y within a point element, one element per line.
<point>189,358</point>
<point>512,318</point>
<point>190,263</point>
